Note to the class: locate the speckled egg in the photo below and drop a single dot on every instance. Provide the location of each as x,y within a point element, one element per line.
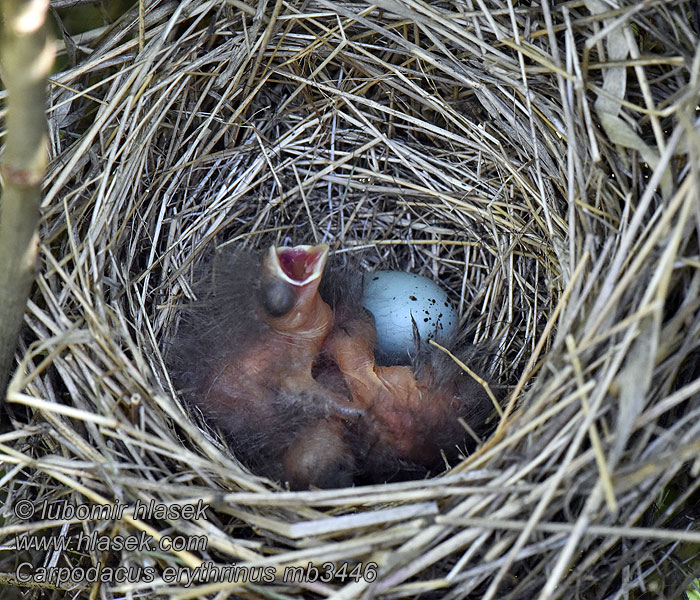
<point>393,297</point>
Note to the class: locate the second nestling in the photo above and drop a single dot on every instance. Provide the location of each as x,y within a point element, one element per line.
<point>281,357</point>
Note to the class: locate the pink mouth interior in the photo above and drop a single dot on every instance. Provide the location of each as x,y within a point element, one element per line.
<point>297,263</point>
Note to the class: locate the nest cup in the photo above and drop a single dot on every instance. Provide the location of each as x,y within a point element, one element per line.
<point>541,163</point>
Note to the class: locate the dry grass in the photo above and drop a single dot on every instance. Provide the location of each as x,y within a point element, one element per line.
<point>541,163</point>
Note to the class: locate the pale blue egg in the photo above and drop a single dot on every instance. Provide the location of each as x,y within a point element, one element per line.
<point>393,298</point>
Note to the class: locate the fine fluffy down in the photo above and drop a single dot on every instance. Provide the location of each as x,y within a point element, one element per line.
<point>281,357</point>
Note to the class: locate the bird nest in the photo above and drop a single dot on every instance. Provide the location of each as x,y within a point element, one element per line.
<point>540,162</point>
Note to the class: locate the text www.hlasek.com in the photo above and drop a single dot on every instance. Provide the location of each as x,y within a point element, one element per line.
<point>89,542</point>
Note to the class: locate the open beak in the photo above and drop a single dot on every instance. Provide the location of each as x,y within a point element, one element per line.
<point>299,265</point>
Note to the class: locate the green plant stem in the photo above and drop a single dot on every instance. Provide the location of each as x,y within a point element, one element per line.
<point>27,54</point>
